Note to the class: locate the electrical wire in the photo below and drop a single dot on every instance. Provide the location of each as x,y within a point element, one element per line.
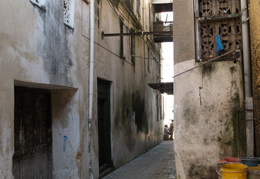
<point>204,63</point>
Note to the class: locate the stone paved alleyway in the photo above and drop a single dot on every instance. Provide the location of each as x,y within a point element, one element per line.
<point>157,163</point>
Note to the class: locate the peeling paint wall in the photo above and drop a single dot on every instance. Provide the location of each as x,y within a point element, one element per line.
<point>38,50</point>
<point>254,14</point>
<point>208,109</point>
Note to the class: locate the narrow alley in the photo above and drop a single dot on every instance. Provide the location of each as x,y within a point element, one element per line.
<point>157,163</point>
<point>87,87</point>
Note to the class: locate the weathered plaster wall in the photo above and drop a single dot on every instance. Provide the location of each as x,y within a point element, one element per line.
<point>38,50</point>
<point>207,115</point>
<point>254,14</point>
<point>209,122</point>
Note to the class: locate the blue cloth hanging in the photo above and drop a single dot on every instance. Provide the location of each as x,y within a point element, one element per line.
<point>219,44</point>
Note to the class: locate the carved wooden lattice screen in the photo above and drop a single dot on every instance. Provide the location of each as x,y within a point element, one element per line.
<point>219,17</point>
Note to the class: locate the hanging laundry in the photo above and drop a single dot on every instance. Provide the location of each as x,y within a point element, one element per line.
<point>219,44</point>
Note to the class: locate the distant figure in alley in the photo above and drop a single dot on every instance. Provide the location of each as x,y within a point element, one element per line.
<point>171,129</point>
<point>167,133</point>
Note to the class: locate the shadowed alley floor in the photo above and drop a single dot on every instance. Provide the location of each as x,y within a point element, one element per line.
<point>157,163</point>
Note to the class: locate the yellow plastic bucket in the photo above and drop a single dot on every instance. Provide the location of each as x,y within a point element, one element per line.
<point>253,173</point>
<point>234,171</point>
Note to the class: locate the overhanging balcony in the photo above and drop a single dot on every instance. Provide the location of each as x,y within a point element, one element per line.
<point>162,6</point>
<point>163,31</point>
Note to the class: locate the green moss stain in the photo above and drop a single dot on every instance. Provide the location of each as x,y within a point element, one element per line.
<point>125,103</point>
<point>123,111</point>
<point>130,104</point>
<point>239,128</point>
<point>233,69</point>
<point>237,141</point>
<point>219,139</point>
<point>207,69</point>
<point>138,108</point>
<point>235,126</point>
<point>190,114</point>
<point>201,171</point>
<point>239,138</point>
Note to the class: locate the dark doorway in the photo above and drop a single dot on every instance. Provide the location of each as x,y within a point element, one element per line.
<point>32,134</point>
<point>104,136</point>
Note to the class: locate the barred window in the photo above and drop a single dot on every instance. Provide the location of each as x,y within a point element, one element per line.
<point>217,21</point>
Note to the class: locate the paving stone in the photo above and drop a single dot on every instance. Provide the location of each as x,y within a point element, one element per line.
<point>157,163</point>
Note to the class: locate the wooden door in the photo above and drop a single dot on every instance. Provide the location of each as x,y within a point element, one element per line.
<point>104,136</point>
<point>32,132</point>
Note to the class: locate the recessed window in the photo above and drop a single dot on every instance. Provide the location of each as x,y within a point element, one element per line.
<point>138,6</point>
<point>68,12</point>
<point>121,40</point>
<point>132,48</point>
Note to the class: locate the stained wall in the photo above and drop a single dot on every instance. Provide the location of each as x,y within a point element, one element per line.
<point>38,50</point>
<point>208,109</point>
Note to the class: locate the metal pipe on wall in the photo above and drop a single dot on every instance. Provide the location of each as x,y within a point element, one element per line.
<point>91,85</point>
<point>247,79</point>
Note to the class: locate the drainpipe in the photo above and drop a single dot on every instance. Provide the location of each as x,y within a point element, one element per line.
<point>91,76</point>
<point>247,80</point>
